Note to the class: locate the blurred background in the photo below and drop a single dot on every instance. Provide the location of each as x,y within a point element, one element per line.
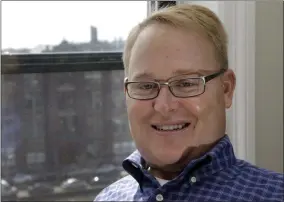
<point>64,129</point>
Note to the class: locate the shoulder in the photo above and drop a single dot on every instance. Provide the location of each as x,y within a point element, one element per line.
<point>266,183</point>
<point>121,190</point>
<point>260,174</point>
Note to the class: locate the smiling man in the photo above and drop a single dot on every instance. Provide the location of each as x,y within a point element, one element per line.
<point>178,86</point>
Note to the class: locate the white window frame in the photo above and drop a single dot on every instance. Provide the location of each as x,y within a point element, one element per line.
<point>239,20</point>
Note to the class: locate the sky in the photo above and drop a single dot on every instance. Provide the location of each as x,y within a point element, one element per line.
<point>27,24</point>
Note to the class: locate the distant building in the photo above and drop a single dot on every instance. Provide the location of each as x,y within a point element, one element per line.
<point>65,46</point>
<point>94,35</point>
<point>93,45</point>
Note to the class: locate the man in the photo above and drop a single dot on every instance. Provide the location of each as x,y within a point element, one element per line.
<point>178,86</point>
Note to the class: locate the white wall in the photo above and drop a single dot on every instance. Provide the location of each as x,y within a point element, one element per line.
<point>269,85</point>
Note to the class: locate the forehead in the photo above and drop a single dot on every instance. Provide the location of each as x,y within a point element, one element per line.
<point>162,51</point>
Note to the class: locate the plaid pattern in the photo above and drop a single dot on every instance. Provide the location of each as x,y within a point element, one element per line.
<point>216,176</point>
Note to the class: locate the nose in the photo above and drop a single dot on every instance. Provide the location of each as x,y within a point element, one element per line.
<point>165,103</point>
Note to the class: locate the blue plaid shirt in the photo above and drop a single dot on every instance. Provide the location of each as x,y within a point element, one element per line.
<point>216,176</point>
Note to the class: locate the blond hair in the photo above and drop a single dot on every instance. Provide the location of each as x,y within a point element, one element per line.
<point>184,16</point>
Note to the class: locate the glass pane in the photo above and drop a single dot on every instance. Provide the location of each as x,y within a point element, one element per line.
<point>71,26</point>
<point>63,133</point>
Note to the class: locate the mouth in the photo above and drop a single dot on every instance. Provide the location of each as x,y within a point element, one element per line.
<point>174,127</point>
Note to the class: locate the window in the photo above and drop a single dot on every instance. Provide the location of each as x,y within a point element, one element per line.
<point>63,112</point>
<point>64,120</point>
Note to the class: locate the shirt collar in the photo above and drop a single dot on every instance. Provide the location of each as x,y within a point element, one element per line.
<point>218,158</point>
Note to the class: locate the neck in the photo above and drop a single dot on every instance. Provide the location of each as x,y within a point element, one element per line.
<point>169,172</point>
<point>163,174</point>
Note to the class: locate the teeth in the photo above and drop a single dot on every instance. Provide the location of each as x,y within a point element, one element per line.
<point>171,127</point>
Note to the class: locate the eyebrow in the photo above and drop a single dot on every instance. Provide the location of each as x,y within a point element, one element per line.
<point>151,76</point>
<point>143,75</point>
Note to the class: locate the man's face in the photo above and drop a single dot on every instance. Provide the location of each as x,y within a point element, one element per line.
<point>160,53</point>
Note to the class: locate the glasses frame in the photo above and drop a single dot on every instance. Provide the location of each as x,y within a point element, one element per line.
<point>204,79</point>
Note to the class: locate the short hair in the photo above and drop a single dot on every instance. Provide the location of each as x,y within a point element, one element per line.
<point>185,16</point>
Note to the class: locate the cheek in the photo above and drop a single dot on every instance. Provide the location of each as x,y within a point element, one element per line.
<point>139,114</point>
<point>194,106</point>
<point>204,109</point>
<point>210,118</point>
<point>209,104</point>
<point>138,111</point>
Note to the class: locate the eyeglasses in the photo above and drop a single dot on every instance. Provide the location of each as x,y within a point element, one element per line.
<point>184,87</point>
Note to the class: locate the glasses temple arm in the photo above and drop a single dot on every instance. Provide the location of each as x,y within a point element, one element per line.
<point>212,76</point>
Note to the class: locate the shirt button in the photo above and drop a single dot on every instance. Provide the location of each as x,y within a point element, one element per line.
<point>193,179</point>
<point>159,197</point>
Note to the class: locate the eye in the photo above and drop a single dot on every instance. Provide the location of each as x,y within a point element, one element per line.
<point>146,86</point>
<point>186,83</point>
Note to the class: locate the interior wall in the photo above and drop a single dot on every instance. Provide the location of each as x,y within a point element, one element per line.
<point>269,85</point>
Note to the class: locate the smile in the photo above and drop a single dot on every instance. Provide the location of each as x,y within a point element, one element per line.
<point>175,127</point>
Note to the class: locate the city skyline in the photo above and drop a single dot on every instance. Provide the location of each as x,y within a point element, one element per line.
<point>26,32</point>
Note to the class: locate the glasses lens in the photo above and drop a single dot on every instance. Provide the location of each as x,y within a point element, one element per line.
<point>187,87</point>
<point>143,90</point>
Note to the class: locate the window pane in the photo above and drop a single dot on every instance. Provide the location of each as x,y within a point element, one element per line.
<point>71,26</point>
<point>58,126</point>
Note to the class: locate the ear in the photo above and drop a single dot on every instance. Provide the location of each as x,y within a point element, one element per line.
<point>124,89</point>
<point>229,84</point>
